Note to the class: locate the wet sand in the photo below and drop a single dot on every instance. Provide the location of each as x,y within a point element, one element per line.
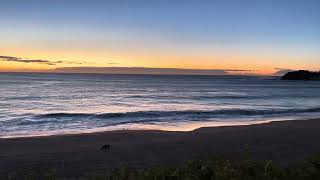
<point>286,142</point>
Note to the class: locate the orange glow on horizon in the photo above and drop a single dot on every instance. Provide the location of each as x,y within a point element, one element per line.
<point>257,64</point>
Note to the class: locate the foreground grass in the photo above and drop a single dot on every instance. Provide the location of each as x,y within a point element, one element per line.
<point>208,169</point>
<point>221,169</point>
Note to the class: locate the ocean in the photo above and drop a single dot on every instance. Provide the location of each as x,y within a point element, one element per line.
<point>41,104</point>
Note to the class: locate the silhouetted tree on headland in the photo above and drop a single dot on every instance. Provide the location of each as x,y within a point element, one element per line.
<point>301,75</point>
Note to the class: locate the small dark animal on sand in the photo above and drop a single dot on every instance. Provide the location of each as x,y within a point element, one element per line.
<point>105,147</point>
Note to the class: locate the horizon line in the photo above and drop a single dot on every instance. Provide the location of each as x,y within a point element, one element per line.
<point>140,71</point>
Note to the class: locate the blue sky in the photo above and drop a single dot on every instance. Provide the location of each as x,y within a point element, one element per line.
<point>145,29</point>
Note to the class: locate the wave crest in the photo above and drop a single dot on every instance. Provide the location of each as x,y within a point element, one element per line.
<point>179,113</point>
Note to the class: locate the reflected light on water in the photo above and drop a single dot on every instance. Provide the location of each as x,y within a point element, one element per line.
<point>178,127</point>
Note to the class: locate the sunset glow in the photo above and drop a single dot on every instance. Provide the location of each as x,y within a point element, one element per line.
<point>219,35</point>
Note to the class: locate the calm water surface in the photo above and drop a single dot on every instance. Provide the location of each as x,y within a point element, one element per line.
<point>33,104</point>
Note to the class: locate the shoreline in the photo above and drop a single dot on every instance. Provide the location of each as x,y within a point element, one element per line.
<point>187,127</point>
<point>284,142</point>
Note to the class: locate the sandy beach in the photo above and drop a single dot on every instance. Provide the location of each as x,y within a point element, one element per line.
<point>286,142</point>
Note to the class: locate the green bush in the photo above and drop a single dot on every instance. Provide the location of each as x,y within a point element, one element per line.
<point>221,169</point>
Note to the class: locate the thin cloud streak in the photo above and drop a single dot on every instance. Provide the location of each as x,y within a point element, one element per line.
<point>145,70</point>
<point>38,61</point>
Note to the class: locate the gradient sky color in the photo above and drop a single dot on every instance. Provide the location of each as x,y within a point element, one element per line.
<point>255,35</point>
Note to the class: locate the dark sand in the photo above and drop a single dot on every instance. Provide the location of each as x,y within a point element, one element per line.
<point>286,142</point>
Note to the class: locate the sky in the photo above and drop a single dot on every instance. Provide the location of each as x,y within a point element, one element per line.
<point>249,36</point>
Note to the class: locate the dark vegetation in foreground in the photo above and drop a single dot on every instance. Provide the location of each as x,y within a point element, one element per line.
<point>209,169</point>
<point>221,169</point>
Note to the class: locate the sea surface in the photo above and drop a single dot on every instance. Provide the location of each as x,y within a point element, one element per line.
<point>40,104</point>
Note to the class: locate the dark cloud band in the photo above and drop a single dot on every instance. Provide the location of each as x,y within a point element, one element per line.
<point>17,59</point>
<point>38,61</point>
<point>144,70</point>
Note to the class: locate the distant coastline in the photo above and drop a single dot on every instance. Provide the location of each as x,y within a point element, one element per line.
<point>302,75</point>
